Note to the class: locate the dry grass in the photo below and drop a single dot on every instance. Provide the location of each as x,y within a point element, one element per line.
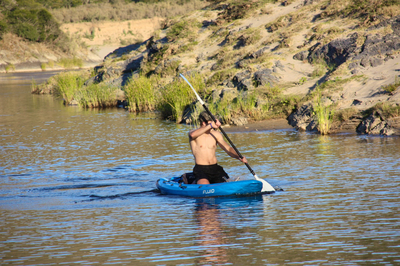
<point>121,11</point>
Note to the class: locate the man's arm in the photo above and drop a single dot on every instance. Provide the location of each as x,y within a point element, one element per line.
<point>194,134</point>
<point>227,148</point>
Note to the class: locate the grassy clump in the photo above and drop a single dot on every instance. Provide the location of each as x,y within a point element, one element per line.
<point>141,94</point>
<point>185,29</point>
<point>387,110</point>
<point>324,114</point>
<point>9,68</point>
<point>250,105</point>
<point>70,62</point>
<point>220,76</point>
<point>391,88</point>
<point>320,68</point>
<point>67,84</point>
<point>368,11</point>
<point>283,105</point>
<point>104,10</point>
<point>345,114</point>
<point>96,95</point>
<point>47,87</point>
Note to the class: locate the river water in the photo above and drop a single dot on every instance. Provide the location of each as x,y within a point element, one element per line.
<point>77,186</point>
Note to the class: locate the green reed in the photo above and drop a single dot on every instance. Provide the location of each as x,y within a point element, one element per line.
<point>141,94</point>
<point>324,114</point>
<point>96,96</point>
<point>68,84</point>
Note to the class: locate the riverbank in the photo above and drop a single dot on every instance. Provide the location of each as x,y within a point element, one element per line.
<point>272,124</point>
<point>283,124</point>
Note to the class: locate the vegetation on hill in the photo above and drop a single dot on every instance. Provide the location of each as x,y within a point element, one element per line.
<point>237,66</point>
<point>29,20</point>
<point>39,20</point>
<point>121,10</point>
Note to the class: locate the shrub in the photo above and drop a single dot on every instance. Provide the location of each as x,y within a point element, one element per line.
<point>388,110</point>
<point>220,76</point>
<point>68,84</point>
<point>389,89</point>
<point>184,29</point>
<point>3,28</point>
<point>27,31</point>
<point>96,95</point>
<point>345,114</point>
<point>33,23</point>
<point>9,68</point>
<point>141,93</point>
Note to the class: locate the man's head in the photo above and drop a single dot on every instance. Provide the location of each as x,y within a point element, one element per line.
<point>205,117</point>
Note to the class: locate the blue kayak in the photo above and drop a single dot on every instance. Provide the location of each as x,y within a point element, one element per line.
<point>175,186</point>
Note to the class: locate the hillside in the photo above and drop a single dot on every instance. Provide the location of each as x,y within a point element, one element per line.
<point>294,56</point>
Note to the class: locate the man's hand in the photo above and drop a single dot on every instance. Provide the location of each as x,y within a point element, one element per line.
<point>243,160</point>
<point>216,125</point>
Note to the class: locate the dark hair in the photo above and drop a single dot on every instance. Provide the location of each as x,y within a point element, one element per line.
<point>205,117</point>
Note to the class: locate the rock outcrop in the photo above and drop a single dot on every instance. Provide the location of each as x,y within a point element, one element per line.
<point>376,48</point>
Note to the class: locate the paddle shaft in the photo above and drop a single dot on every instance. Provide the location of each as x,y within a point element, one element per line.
<point>228,139</point>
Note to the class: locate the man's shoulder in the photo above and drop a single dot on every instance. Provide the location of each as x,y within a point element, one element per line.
<point>216,134</point>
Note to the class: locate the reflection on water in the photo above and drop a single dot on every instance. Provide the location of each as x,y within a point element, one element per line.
<point>77,186</point>
<point>211,235</point>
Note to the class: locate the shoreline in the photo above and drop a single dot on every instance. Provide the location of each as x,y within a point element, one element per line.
<point>270,124</point>
<point>37,67</point>
<point>253,126</point>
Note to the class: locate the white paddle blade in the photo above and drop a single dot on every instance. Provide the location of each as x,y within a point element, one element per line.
<point>266,186</point>
<point>198,97</point>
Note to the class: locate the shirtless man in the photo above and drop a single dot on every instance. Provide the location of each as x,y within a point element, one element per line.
<point>203,142</point>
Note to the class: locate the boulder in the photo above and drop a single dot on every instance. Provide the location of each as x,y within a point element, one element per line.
<point>228,94</point>
<point>131,64</point>
<point>302,56</point>
<point>375,124</point>
<point>302,117</point>
<point>337,51</point>
<point>264,77</point>
<point>242,80</point>
<point>259,52</point>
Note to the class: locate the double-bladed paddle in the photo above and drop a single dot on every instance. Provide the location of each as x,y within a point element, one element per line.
<point>266,186</point>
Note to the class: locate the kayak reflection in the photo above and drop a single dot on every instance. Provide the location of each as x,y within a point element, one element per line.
<point>214,237</point>
<point>211,235</point>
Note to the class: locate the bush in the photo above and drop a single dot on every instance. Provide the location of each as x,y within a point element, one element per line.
<point>30,21</point>
<point>96,95</point>
<point>3,28</point>
<point>68,84</point>
<point>184,29</point>
<point>391,88</point>
<point>141,94</point>
<point>27,31</point>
